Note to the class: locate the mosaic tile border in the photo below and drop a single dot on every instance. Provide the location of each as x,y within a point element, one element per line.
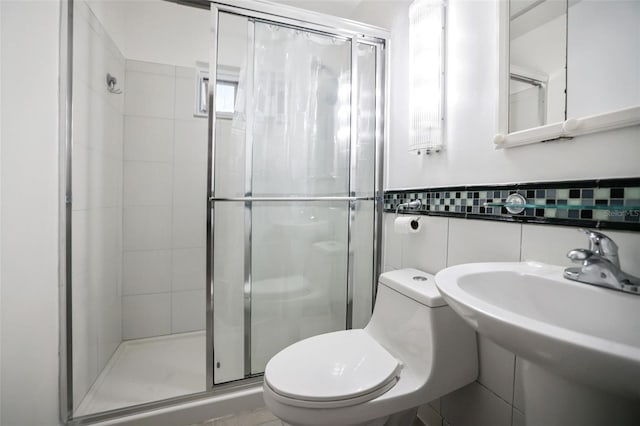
<point>602,203</point>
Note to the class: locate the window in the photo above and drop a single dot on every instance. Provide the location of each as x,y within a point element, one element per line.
<point>225,96</point>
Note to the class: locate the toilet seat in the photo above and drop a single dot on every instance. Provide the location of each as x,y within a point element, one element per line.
<point>332,370</point>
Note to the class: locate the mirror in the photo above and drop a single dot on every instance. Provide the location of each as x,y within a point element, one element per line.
<point>604,56</point>
<point>537,63</point>
<point>568,67</point>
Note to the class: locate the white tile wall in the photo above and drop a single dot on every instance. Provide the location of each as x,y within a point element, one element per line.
<point>146,315</point>
<point>165,151</point>
<point>424,250</point>
<point>188,269</point>
<point>147,228</point>
<point>429,416</point>
<point>149,94</point>
<point>496,368</point>
<point>147,184</point>
<point>148,139</point>
<point>392,245</point>
<point>518,418</point>
<point>97,201</point>
<point>629,250</point>
<point>146,271</point>
<point>185,93</point>
<point>475,405</point>
<point>497,396</point>
<point>188,311</point>
<point>187,226</point>
<point>190,144</point>
<point>482,241</point>
<point>550,244</point>
<point>518,388</point>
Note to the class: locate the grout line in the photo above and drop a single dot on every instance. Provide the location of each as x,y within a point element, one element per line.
<point>173,176</point>
<point>513,388</point>
<point>170,292</point>
<point>521,233</point>
<point>446,248</point>
<point>498,396</point>
<point>162,248</point>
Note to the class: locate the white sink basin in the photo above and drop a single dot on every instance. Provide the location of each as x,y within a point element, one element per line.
<point>586,334</point>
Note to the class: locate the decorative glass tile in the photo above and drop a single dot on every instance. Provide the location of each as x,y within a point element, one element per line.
<point>578,205</point>
<point>601,193</point>
<point>601,214</point>
<point>633,193</point>
<point>617,192</point>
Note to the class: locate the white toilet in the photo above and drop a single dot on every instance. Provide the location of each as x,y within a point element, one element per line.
<point>414,349</point>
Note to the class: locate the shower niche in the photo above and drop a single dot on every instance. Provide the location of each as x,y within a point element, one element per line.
<point>225,194</point>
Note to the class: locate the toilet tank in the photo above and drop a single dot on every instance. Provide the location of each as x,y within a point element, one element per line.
<point>402,317</point>
<point>414,323</point>
<point>414,284</point>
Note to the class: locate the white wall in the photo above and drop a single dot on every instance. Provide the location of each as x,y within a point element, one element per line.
<point>443,242</point>
<point>495,399</point>
<point>29,211</point>
<point>157,31</point>
<point>469,156</point>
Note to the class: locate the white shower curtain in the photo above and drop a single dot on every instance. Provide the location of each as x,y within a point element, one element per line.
<point>301,87</point>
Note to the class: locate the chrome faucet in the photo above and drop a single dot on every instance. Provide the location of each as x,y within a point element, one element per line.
<point>600,265</point>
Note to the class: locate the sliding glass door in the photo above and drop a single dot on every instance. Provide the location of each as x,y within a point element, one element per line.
<point>293,203</point>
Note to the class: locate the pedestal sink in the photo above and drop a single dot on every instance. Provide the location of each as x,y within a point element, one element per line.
<point>581,343</point>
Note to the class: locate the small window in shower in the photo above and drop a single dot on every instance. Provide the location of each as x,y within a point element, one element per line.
<point>225,96</point>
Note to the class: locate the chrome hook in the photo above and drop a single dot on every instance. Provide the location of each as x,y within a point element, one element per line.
<point>111,84</point>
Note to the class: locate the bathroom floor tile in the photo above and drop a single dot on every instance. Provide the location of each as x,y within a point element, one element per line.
<point>259,417</point>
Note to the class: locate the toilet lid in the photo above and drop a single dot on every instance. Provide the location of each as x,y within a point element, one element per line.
<point>330,367</point>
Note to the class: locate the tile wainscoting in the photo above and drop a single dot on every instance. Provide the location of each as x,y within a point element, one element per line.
<point>603,203</point>
<point>495,399</point>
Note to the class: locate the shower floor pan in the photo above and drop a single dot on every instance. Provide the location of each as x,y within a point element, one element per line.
<point>151,369</point>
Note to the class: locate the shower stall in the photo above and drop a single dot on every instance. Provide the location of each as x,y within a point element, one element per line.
<point>222,194</point>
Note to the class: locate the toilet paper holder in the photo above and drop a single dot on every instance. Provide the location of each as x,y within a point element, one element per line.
<point>415,204</point>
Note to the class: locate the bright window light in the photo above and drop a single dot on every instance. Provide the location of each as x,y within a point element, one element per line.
<point>226,96</point>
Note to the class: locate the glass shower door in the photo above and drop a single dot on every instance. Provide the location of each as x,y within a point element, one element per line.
<point>301,131</point>
<point>293,194</point>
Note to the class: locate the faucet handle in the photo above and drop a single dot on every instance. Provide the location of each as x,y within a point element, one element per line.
<point>579,255</point>
<point>602,245</point>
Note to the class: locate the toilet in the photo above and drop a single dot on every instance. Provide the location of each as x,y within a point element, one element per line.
<point>413,350</point>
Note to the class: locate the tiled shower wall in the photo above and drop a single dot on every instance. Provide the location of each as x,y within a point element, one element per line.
<point>97,201</point>
<point>165,167</point>
<point>495,399</point>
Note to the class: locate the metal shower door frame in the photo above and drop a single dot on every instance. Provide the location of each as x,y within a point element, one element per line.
<point>255,9</point>
<point>301,21</point>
